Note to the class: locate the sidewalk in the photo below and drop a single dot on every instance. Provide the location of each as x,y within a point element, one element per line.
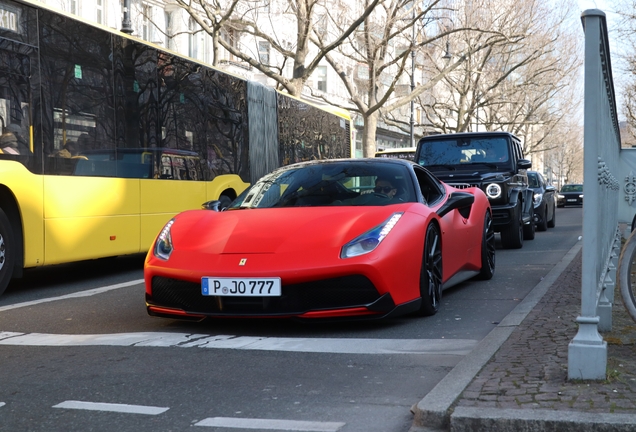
<point>516,378</point>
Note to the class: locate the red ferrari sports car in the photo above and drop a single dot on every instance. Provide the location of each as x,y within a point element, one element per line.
<point>365,238</point>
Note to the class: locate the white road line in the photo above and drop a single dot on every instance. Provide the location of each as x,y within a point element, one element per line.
<point>121,408</point>
<point>86,293</point>
<point>316,345</point>
<point>2,404</point>
<point>271,424</point>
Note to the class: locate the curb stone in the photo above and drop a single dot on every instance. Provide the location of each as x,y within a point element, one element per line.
<point>524,420</point>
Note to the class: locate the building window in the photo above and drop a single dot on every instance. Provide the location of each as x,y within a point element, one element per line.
<point>263,52</point>
<point>193,47</point>
<point>230,38</point>
<point>321,25</point>
<point>167,17</point>
<point>99,11</point>
<point>321,78</point>
<point>74,6</point>
<point>146,22</point>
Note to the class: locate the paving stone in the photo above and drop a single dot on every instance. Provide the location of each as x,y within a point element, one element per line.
<point>529,371</point>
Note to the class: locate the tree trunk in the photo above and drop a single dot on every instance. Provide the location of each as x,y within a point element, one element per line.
<point>368,134</point>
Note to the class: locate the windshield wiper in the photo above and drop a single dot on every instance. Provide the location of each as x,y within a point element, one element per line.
<point>448,167</point>
<point>488,164</point>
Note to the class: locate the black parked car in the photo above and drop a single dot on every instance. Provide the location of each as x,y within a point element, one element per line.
<point>493,162</point>
<point>544,201</point>
<point>571,194</point>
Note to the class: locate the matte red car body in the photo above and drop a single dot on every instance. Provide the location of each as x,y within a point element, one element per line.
<point>304,244</point>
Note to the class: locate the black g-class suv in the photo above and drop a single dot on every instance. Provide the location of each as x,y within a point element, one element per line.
<point>494,162</point>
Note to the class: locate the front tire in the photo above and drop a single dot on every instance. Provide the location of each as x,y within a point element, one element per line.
<point>543,223</point>
<point>487,250</point>
<point>512,235</point>
<point>529,230</point>
<point>431,272</point>
<point>8,250</point>
<point>552,222</point>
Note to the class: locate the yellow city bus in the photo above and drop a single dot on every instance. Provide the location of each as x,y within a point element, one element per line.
<point>104,137</point>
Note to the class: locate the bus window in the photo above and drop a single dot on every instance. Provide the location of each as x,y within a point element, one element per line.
<point>76,72</point>
<point>15,102</point>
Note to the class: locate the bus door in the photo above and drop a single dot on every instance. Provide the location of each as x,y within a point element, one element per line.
<point>19,155</point>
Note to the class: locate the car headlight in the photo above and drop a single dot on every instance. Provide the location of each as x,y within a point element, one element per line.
<point>581,196</point>
<point>537,198</point>
<point>561,196</point>
<point>370,240</point>
<point>493,190</point>
<point>163,245</point>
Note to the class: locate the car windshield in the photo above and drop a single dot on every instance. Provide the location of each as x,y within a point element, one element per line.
<point>572,188</point>
<point>463,151</point>
<point>533,180</point>
<point>330,184</point>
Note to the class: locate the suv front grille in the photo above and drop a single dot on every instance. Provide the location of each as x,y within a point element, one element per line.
<point>463,185</point>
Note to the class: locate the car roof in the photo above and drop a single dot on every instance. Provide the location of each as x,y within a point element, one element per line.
<point>467,134</point>
<point>394,161</point>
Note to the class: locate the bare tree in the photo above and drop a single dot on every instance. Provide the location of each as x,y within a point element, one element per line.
<point>565,161</point>
<point>289,36</point>
<point>627,33</point>
<point>374,65</point>
<point>512,85</point>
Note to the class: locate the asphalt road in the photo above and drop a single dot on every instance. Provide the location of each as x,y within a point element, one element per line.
<point>79,353</point>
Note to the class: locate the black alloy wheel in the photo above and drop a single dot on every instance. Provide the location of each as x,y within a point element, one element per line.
<point>512,235</point>
<point>431,273</point>
<point>552,222</point>
<point>487,250</point>
<point>543,221</point>
<point>7,254</point>
<point>529,229</point>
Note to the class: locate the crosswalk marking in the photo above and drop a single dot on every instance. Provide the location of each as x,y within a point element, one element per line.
<point>316,345</point>
<point>271,424</point>
<point>111,407</point>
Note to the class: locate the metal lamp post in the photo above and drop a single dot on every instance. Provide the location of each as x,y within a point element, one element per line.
<point>125,23</point>
<point>412,104</point>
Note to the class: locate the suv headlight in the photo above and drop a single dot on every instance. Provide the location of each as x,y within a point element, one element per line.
<point>537,198</point>
<point>493,190</point>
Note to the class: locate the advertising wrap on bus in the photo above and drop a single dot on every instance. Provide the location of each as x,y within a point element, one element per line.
<point>105,137</point>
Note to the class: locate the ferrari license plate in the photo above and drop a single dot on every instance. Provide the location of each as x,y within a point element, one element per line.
<point>240,287</point>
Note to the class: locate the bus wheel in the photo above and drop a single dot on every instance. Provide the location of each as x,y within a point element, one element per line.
<point>7,251</point>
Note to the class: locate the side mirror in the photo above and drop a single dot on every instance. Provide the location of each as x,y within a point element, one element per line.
<point>457,200</point>
<point>524,164</point>
<point>212,205</point>
<point>550,188</point>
